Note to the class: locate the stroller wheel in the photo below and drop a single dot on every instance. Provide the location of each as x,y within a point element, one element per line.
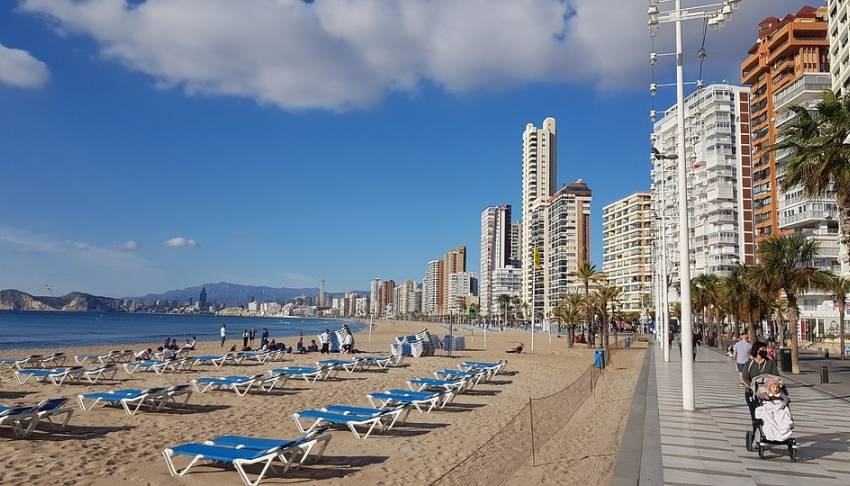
<point>792,451</point>
<point>749,441</point>
<point>761,451</point>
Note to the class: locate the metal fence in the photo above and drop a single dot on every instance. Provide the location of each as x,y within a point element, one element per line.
<point>525,434</point>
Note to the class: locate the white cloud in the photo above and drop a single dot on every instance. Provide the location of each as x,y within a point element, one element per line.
<point>128,246</point>
<point>342,54</point>
<point>26,242</point>
<point>180,242</point>
<point>20,69</point>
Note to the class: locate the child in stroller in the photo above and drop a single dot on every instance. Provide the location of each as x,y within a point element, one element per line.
<point>768,401</point>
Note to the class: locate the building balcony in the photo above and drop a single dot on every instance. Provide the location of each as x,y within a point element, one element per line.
<point>806,87</point>
<point>808,218</point>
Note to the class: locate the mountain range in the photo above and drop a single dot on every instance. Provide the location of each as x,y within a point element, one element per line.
<point>12,299</point>
<point>231,294</point>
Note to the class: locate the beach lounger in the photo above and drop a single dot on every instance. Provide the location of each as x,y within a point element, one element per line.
<point>325,418</point>
<point>107,370</point>
<point>172,393</point>
<point>21,363</point>
<point>155,365</point>
<point>244,451</point>
<point>420,384</point>
<point>22,420</point>
<point>53,407</point>
<point>388,415</point>
<point>207,359</point>
<point>57,376</point>
<point>470,378</point>
<point>349,365</point>
<point>130,399</point>
<point>238,383</point>
<point>258,356</point>
<point>496,367</point>
<point>310,375</point>
<point>379,361</point>
<point>52,361</point>
<point>406,397</point>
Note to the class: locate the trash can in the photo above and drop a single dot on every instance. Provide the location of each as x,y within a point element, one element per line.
<point>826,353</point>
<point>599,359</point>
<point>627,343</point>
<point>785,359</point>
<point>824,374</point>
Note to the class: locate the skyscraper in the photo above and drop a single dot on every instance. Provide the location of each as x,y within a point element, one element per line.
<point>430,284</point>
<point>495,251</point>
<point>321,302</point>
<point>453,262</point>
<point>516,244</point>
<point>627,249</point>
<point>202,299</point>
<point>566,242</point>
<point>373,296</point>
<point>839,48</point>
<point>462,287</point>
<point>539,171</point>
<point>385,295</point>
<point>788,50</point>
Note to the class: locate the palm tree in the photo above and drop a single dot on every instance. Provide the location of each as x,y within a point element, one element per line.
<point>568,312</point>
<point>604,295</point>
<point>819,155</point>
<point>785,262</point>
<point>518,306</point>
<point>587,274</point>
<point>504,301</point>
<point>839,287</point>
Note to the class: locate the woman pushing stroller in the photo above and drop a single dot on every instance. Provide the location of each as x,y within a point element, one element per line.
<point>767,399</point>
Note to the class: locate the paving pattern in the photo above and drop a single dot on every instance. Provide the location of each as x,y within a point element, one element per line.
<point>707,446</point>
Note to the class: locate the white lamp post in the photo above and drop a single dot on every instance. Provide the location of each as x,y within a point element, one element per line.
<point>716,14</point>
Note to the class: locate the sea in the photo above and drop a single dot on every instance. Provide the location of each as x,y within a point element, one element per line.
<point>66,329</point>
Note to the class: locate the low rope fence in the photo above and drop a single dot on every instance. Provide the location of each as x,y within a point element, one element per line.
<point>525,434</point>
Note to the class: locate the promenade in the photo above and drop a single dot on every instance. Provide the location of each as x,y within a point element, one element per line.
<point>665,445</point>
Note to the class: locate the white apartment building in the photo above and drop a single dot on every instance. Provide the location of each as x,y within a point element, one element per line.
<point>463,286</point>
<point>567,241</point>
<point>430,285</point>
<point>516,244</point>
<point>406,298</point>
<point>839,45</point>
<point>539,171</point>
<point>495,251</point>
<point>718,183</point>
<point>374,285</point>
<point>627,249</point>
<point>816,218</point>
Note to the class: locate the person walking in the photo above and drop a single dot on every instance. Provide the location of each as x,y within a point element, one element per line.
<point>325,340</point>
<point>245,338</point>
<point>741,353</point>
<point>696,342</point>
<point>758,364</point>
<point>252,334</point>
<point>223,334</point>
<point>265,337</point>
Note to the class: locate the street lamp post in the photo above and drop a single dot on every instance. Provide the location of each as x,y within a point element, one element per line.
<point>665,293</point>
<point>715,15</point>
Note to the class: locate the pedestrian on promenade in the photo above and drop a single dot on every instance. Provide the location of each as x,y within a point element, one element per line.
<point>244,338</point>
<point>741,354</point>
<point>758,364</point>
<point>696,342</point>
<point>325,340</point>
<point>223,335</point>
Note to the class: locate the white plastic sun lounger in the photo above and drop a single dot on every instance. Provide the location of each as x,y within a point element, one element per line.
<point>241,385</point>
<point>349,365</point>
<point>206,359</point>
<point>417,400</point>
<point>172,393</point>
<point>244,451</point>
<point>310,375</point>
<point>379,361</point>
<point>389,416</point>
<point>22,420</point>
<point>51,408</point>
<point>298,449</point>
<point>21,363</point>
<point>55,359</point>
<point>258,356</point>
<point>107,370</point>
<point>469,379</point>
<point>130,399</point>
<point>421,384</point>
<point>57,376</point>
<point>324,418</point>
<point>155,365</point>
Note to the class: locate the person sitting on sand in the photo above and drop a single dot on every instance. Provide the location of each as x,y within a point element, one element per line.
<point>516,350</point>
<point>143,355</point>
<point>300,346</point>
<point>169,353</point>
<point>313,347</point>
<point>190,345</point>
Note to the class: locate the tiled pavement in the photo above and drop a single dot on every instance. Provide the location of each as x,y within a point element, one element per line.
<point>707,446</point>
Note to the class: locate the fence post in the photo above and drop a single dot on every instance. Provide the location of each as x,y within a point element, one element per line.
<point>531,414</point>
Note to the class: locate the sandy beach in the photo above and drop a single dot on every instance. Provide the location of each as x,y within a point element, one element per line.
<point>107,446</point>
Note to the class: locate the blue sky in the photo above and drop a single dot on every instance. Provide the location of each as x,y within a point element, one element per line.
<point>279,168</point>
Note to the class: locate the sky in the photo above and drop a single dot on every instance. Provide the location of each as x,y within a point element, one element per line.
<point>160,144</point>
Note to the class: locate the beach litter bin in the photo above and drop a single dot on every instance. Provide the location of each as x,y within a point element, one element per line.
<point>785,359</point>
<point>824,374</point>
<point>599,358</point>
<point>627,342</point>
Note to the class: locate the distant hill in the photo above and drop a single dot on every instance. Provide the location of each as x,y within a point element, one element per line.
<point>12,299</point>
<point>235,294</point>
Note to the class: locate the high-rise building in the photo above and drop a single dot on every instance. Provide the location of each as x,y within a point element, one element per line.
<point>539,171</point>
<point>321,302</point>
<point>453,262</point>
<point>566,241</point>
<point>839,48</point>
<point>430,285</point>
<point>406,301</point>
<point>516,244</point>
<point>786,51</point>
<point>627,249</point>
<point>202,299</point>
<point>462,287</point>
<point>385,295</point>
<point>506,281</point>
<point>719,191</point>
<point>495,251</point>
<point>373,296</point>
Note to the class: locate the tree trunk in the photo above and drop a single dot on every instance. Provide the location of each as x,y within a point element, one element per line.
<point>841,308</point>
<point>793,325</point>
<point>842,199</point>
<point>752,327</point>
<point>571,334</point>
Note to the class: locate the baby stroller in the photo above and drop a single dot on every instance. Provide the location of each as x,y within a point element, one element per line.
<point>756,396</point>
